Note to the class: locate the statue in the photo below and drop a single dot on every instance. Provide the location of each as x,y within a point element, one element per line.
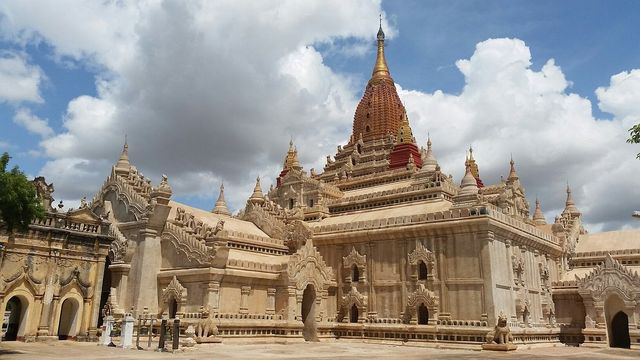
<point>180,216</point>
<point>206,329</point>
<point>500,338</point>
<point>219,227</point>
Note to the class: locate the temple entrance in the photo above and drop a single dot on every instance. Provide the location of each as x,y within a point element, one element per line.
<point>423,315</point>
<point>353,314</point>
<point>106,288</point>
<point>620,331</point>
<point>173,308</point>
<point>13,317</point>
<point>69,317</point>
<point>309,332</point>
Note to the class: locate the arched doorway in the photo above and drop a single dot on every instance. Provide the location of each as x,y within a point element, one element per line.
<point>620,331</point>
<point>106,289</point>
<point>353,314</point>
<point>15,310</point>
<point>309,332</point>
<point>69,317</point>
<point>173,308</point>
<point>423,315</point>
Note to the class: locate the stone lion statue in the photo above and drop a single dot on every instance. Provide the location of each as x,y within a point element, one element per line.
<point>501,334</point>
<point>206,327</point>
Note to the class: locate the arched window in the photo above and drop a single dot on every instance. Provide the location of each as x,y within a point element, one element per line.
<point>173,308</point>
<point>291,204</point>
<point>359,149</point>
<point>367,129</point>
<point>353,315</point>
<point>355,274</point>
<point>353,162</point>
<point>422,270</point>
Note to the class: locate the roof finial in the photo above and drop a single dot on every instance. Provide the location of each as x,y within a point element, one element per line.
<point>257,197</point>
<point>513,175</point>
<point>221,204</point>
<point>538,216</point>
<point>380,70</point>
<point>123,163</point>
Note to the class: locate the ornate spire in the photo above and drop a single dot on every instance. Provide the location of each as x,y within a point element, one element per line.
<point>257,197</point>
<point>380,69</point>
<point>473,167</point>
<point>513,175</point>
<point>570,206</point>
<point>538,216</point>
<point>221,204</point>
<point>468,186</point>
<point>429,163</point>
<point>291,159</point>
<point>123,164</point>
<point>405,135</point>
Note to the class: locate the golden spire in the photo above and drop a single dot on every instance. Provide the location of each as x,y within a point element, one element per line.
<point>404,132</point>
<point>291,160</point>
<point>473,167</point>
<point>380,70</point>
<point>221,204</point>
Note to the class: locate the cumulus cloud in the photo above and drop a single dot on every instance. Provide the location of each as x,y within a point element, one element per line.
<point>204,91</point>
<point>506,107</point>
<point>209,92</point>
<point>19,81</point>
<point>32,123</point>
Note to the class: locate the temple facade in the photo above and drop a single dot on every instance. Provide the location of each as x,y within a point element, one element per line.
<point>381,244</point>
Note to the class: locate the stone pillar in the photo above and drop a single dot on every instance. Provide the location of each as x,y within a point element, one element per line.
<point>97,292</point>
<point>371,303</point>
<point>291,303</point>
<point>126,336</point>
<point>271,301</point>
<point>600,319</point>
<point>54,309</point>
<point>324,294</point>
<point>43,325</point>
<point>86,317</point>
<point>105,338</point>
<point>299,298</point>
<point>120,278</point>
<point>212,296</point>
<point>244,299</point>
<point>149,261</point>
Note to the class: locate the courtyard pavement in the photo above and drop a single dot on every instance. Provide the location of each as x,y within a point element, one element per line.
<point>341,349</point>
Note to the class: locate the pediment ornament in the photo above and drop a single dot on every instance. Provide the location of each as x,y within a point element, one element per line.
<point>611,276</point>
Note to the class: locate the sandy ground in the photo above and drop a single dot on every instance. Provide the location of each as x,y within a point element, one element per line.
<point>342,349</point>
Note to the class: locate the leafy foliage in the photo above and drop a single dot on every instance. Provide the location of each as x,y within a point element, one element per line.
<point>19,204</point>
<point>634,136</point>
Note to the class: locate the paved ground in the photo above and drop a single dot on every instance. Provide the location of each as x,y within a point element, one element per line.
<point>342,349</point>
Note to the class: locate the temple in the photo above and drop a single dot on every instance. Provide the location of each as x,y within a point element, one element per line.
<point>382,244</point>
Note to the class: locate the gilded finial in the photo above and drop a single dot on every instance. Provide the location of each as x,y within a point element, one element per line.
<point>380,70</point>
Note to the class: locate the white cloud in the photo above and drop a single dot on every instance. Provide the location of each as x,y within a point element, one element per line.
<point>202,89</point>
<point>32,123</point>
<point>19,81</point>
<point>213,91</point>
<point>508,108</point>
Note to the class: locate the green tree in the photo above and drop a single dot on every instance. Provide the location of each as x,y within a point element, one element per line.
<point>634,136</point>
<point>19,204</point>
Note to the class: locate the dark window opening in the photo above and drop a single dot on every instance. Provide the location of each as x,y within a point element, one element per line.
<point>423,315</point>
<point>355,274</point>
<point>310,202</point>
<point>291,202</point>
<point>422,270</point>
<point>367,129</point>
<point>353,315</point>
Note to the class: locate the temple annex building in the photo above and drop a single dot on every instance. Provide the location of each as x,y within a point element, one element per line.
<point>382,244</point>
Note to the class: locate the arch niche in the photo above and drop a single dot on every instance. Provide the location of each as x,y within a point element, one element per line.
<point>16,308</point>
<point>308,280</point>
<point>309,313</point>
<point>69,319</point>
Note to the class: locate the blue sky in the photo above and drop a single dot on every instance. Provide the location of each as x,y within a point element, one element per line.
<point>319,57</point>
